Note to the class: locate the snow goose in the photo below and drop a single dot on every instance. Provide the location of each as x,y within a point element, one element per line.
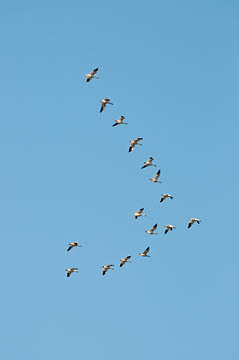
<point>119,121</point>
<point>104,102</point>
<point>145,252</point>
<point>139,213</point>
<point>192,221</point>
<point>148,163</point>
<point>73,244</point>
<point>151,230</point>
<point>70,271</point>
<point>106,268</point>
<point>133,143</point>
<point>165,196</point>
<point>91,75</point>
<point>124,260</point>
<point>155,178</point>
<point>168,227</point>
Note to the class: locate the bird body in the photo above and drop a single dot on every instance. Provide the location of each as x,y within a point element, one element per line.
<point>151,230</point>
<point>165,196</point>
<point>139,213</point>
<point>124,260</point>
<point>145,252</point>
<point>192,221</point>
<point>133,143</point>
<point>148,163</point>
<point>91,75</point>
<point>155,178</point>
<point>73,244</point>
<point>119,121</point>
<point>168,227</point>
<point>106,268</point>
<point>104,102</point>
<point>70,271</point>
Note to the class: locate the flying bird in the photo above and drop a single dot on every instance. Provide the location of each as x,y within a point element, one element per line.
<point>148,163</point>
<point>133,143</point>
<point>106,268</point>
<point>91,75</point>
<point>104,102</point>
<point>124,260</point>
<point>70,271</point>
<point>119,121</point>
<point>192,221</point>
<point>155,178</point>
<point>73,244</point>
<point>168,227</point>
<point>165,196</point>
<point>145,252</point>
<point>139,213</point>
<point>151,230</point>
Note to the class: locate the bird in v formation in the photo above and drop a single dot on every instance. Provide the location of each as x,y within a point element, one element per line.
<point>138,213</point>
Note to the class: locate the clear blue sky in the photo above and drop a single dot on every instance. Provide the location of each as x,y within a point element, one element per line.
<point>171,68</point>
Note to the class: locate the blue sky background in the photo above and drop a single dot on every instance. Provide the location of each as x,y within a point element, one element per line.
<point>171,68</point>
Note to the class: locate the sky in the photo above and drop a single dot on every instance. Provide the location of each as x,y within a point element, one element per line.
<point>171,68</point>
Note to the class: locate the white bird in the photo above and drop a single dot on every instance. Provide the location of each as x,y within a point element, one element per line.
<point>119,121</point>
<point>139,213</point>
<point>106,268</point>
<point>73,244</point>
<point>133,143</point>
<point>104,102</point>
<point>124,260</point>
<point>91,75</point>
<point>155,178</point>
<point>145,252</point>
<point>70,271</point>
<point>168,227</point>
<point>192,221</point>
<point>151,230</point>
<point>148,163</point>
<point>165,196</point>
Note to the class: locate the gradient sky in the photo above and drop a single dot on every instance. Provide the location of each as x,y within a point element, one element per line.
<point>171,68</point>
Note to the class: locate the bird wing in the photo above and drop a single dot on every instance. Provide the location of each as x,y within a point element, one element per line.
<point>93,72</point>
<point>154,227</point>
<point>69,248</point>
<point>144,166</point>
<point>128,257</point>
<point>115,124</point>
<point>157,174</point>
<point>102,107</point>
<point>88,79</point>
<point>189,224</point>
<point>141,210</point>
<point>131,148</point>
<point>68,273</point>
<point>165,232</point>
<point>104,271</point>
<point>146,251</point>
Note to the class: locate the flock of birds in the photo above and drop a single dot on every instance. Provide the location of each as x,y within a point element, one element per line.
<point>139,213</point>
